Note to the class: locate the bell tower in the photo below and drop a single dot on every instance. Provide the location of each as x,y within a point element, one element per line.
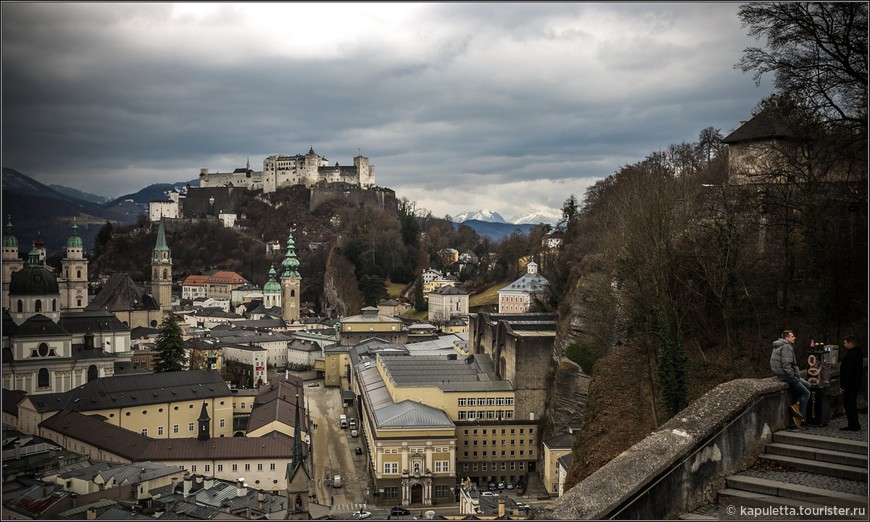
<point>12,261</point>
<point>291,283</point>
<point>161,271</point>
<point>74,274</point>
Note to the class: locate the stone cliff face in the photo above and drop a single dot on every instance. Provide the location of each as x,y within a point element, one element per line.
<point>340,291</point>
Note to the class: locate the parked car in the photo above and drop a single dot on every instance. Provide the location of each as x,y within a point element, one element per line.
<point>489,494</point>
<point>359,515</point>
<point>314,385</point>
<point>399,512</point>
<point>493,486</point>
<point>354,433</point>
<point>501,485</point>
<point>358,450</point>
<point>521,484</point>
<point>510,485</point>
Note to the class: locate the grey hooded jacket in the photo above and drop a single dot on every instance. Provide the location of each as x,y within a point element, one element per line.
<point>782,360</point>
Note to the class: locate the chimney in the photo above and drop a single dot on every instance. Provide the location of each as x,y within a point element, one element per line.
<point>261,497</point>
<point>198,478</point>
<point>188,485</point>
<point>208,483</point>
<point>241,487</point>
<point>92,514</point>
<point>500,507</point>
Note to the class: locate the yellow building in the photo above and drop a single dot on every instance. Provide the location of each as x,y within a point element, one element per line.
<point>448,409</point>
<point>357,328</point>
<point>157,405</point>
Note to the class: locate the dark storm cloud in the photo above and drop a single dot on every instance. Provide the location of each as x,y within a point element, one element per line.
<point>524,102</point>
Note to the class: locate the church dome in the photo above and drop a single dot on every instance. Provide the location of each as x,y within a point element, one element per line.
<point>74,241</point>
<point>272,286</point>
<point>33,279</point>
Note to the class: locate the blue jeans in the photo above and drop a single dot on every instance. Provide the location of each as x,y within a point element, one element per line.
<point>802,389</point>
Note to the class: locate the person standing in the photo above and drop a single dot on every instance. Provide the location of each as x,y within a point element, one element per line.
<point>784,366</point>
<point>851,376</point>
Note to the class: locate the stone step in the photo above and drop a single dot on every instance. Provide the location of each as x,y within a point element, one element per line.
<point>795,491</point>
<point>735,504</point>
<point>822,468</point>
<point>822,455</point>
<point>802,438</point>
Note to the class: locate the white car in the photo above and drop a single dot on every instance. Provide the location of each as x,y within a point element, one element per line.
<point>359,515</point>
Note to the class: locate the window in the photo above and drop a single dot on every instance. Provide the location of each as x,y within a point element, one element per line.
<point>481,401</point>
<point>235,467</point>
<point>490,401</point>
<point>247,467</point>
<point>272,466</point>
<point>483,467</point>
<point>220,467</point>
<point>391,468</point>
<point>391,492</point>
<point>474,466</point>
<point>42,378</point>
<point>223,423</point>
<point>462,415</point>
<point>159,430</point>
<point>259,467</point>
<point>145,431</point>
<point>509,401</point>
<point>442,491</point>
<point>522,465</point>
<point>207,468</point>
<point>175,428</point>
<point>461,402</point>
<point>193,469</point>
<point>189,426</point>
<point>465,466</point>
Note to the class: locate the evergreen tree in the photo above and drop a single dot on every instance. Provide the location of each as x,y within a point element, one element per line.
<point>170,346</point>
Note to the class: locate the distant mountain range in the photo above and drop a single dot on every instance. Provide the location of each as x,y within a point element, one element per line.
<point>46,212</point>
<point>547,216</point>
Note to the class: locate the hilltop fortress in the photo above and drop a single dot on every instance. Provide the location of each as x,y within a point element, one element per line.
<point>286,171</point>
<point>219,193</point>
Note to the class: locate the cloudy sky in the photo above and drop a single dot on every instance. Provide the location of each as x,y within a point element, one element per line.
<point>510,107</point>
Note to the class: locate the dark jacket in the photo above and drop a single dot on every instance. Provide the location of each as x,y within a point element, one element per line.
<point>852,369</point>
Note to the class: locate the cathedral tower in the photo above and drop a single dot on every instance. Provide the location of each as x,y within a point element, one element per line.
<point>74,279</point>
<point>291,283</point>
<point>161,271</point>
<point>272,291</point>
<point>12,261</point>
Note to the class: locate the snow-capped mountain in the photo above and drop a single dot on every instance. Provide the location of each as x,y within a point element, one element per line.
<point>548,216</point>
<point>489,216</point>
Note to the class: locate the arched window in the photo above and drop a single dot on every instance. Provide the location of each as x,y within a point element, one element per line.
<point>42,380</point>
<point>54,305</point>
<point>92,372</point>
<point>78,274</point>
<point>165,274</point>
<point>38,306</point>
<point>20,306</point>
<point>292,292</point>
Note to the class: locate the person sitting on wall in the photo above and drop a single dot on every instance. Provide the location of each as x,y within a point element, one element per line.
<point>784,366</point>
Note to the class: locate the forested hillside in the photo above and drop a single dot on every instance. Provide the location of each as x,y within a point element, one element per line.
<point>681,277</point>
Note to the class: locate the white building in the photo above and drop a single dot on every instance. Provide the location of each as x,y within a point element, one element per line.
<point>518,296</point>
<point>447,302</point>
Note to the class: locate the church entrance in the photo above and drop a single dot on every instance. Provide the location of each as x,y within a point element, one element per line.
<point>417,494</point>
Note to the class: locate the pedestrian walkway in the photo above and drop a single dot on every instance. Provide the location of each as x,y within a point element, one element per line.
<point>812,466</point>
<point>349,507</point>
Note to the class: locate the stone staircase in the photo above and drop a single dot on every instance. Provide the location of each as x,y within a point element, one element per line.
<point>815,469</point>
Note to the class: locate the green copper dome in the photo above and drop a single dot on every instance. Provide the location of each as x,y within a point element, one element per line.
<point>33,279</point>
<point>8,239</point>
<point>74,241</point>
<point>272,286</point>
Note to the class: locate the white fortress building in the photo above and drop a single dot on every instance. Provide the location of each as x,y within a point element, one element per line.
<point>286,171</point>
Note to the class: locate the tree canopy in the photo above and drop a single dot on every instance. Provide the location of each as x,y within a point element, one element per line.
<point>170,346</point>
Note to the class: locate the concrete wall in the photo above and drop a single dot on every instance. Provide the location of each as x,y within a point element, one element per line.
<point>683,464</point>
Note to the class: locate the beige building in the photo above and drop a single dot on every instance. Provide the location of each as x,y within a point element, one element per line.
<point>216,284</point>
<point>554,449</point>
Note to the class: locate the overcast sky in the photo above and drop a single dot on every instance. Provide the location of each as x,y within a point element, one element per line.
<point>510,107</point>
